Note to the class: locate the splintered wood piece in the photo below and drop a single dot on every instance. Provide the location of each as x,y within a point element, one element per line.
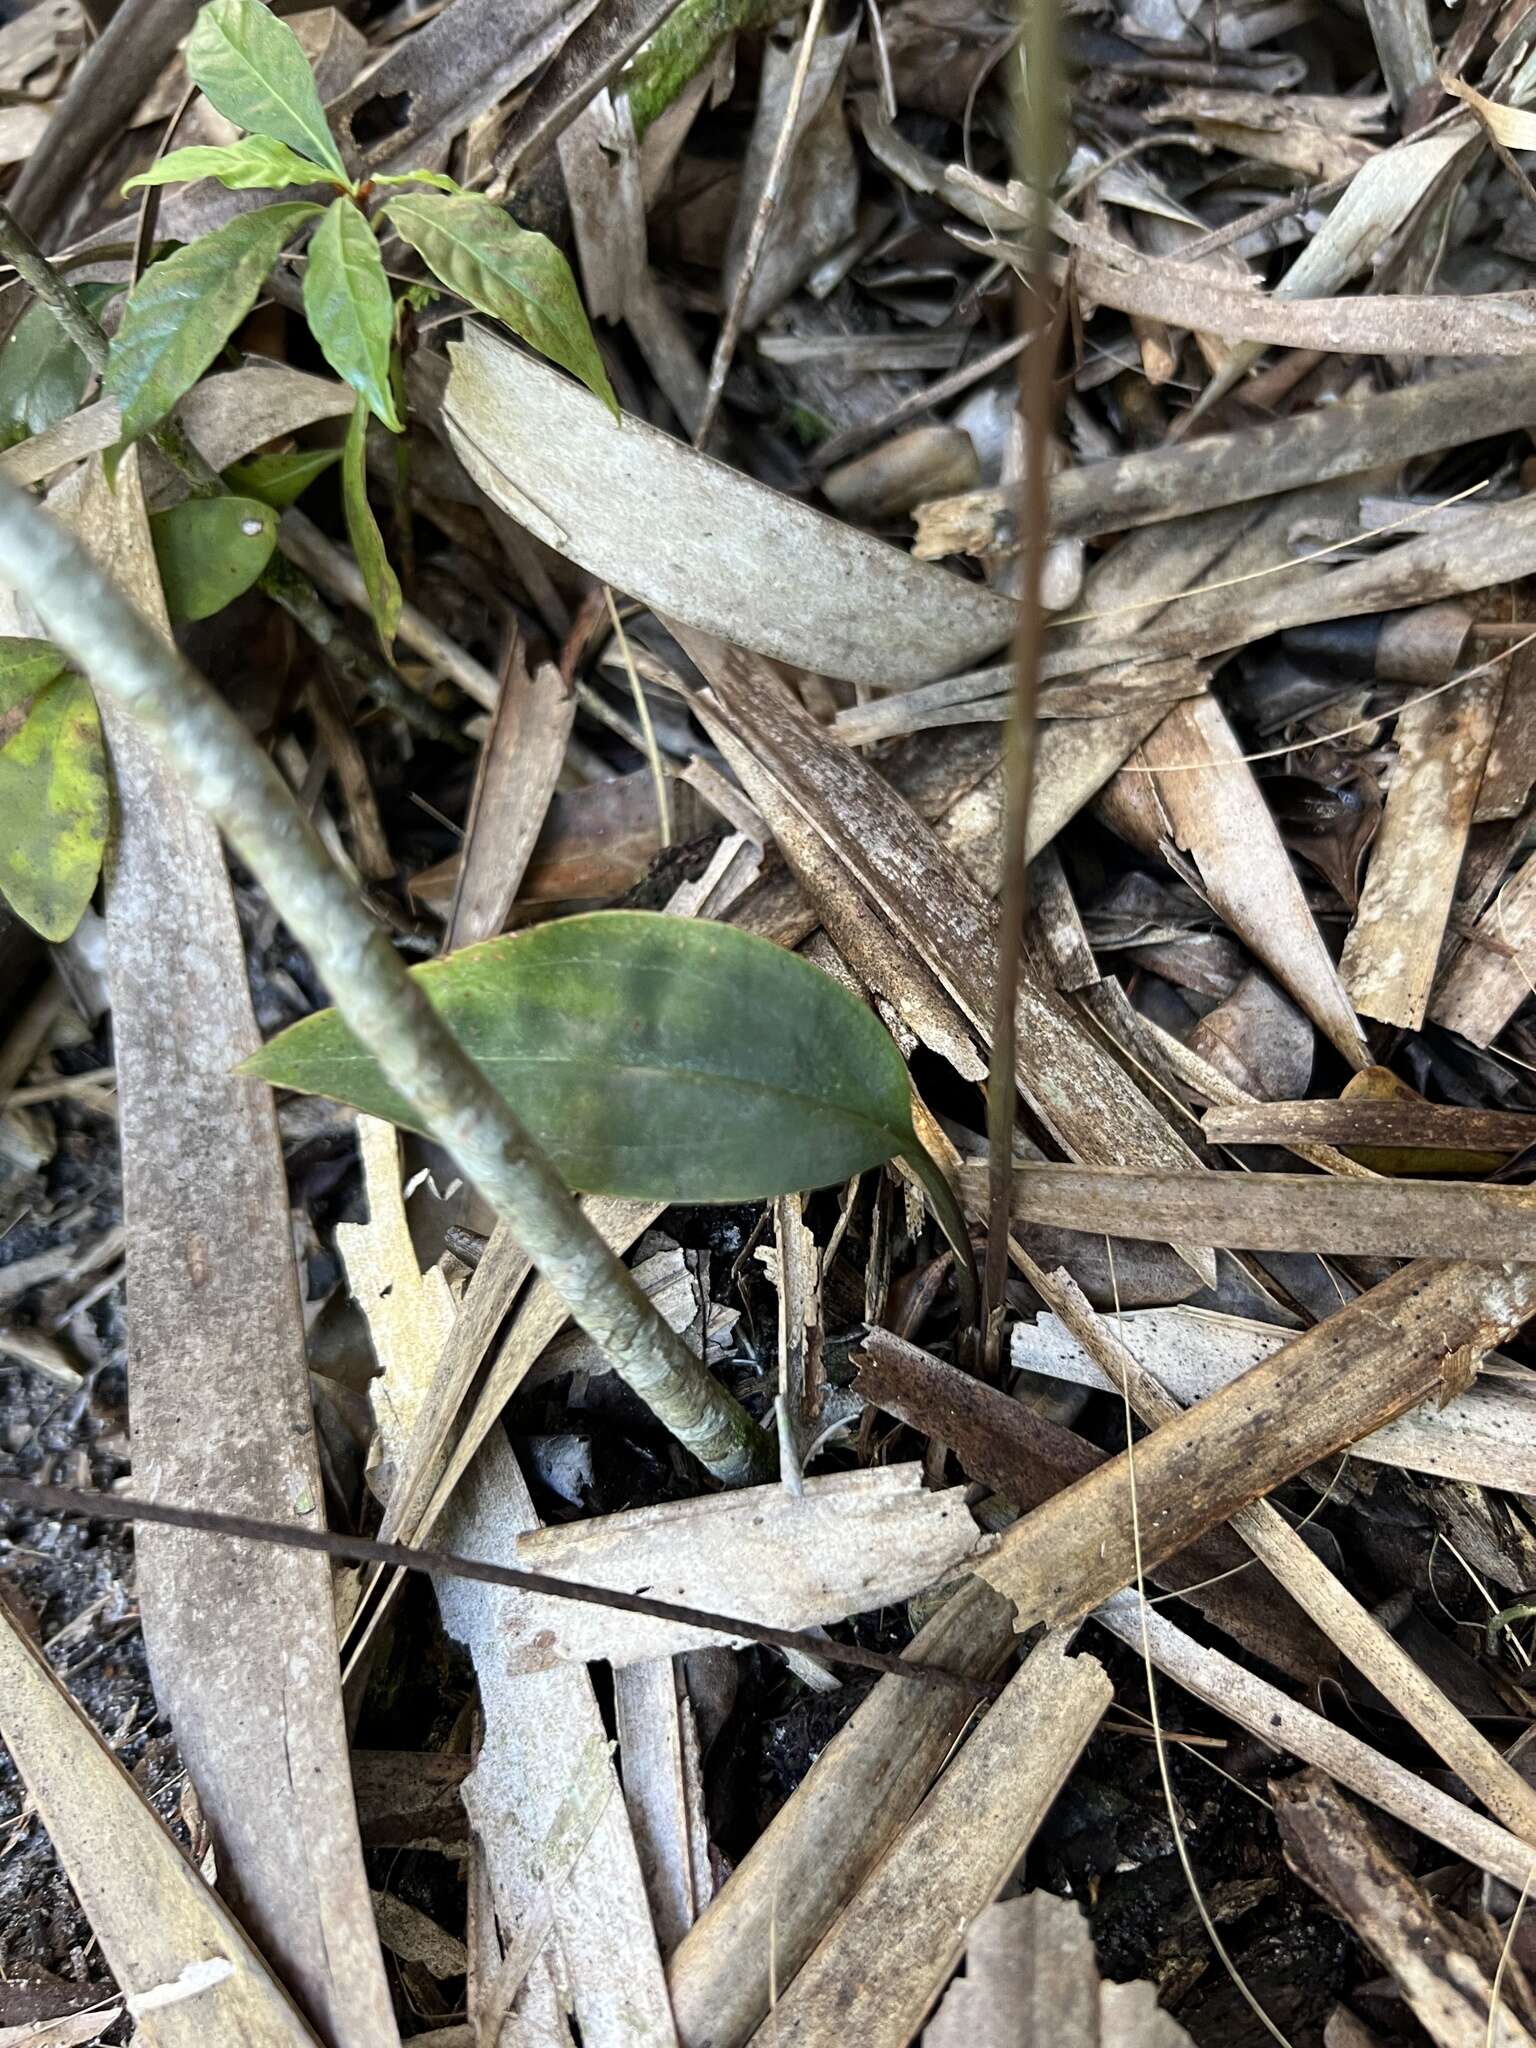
<point>1274,1212</point>
<point>664,1791</point>
<point>216,1367</point>
<point>1486,982</point>
<point>849,1543</point>
<point>1393,946</point>
<point>1332,1847</point>
<point>1220,818</point>
<point>1368,1645</point>
<point>882,1966</point>
<point>1032,1981</point>
<point>409,1313</point>
<point>1328,1387</point>
<point>834,1828</point>
<point>1427,1126</point>
<point>190,1972</point>
<point>1484,1437</point>
<point>543,1797</point>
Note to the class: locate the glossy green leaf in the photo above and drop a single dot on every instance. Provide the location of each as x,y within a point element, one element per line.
<point>651,1056</point>
<point>211,550</point>
<point>349,306</point>
<point>254,163</point>
<point>43,376</point>
<point>382,585</point>
<point>516,276</point>
<point>280,480</point>
<point>252,68</point>
<point>57,809</point>
<point>440,179</point>
<point>27,667</point>
<point>183,310</point>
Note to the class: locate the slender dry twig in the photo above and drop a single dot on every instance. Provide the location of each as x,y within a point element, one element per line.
<point>1037,149</point>
<point>211,750</point>
<point>118,1507</point>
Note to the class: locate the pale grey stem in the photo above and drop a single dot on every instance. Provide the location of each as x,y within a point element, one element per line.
<point>223,769</point>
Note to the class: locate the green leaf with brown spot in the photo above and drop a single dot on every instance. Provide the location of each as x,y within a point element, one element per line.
<point>55,801</point>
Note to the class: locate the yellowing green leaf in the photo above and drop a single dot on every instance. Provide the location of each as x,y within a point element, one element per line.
<point>211,550</point>
<point>255,163</point>
<point>349,307</point>
<point>252,68</point>
<point>54,799</point>
<point>653,1057</point>
<point>280,480</point>
<point>27,667</point>
<point>183,310</point>
<point>509,272</point>
<point>382,585</point>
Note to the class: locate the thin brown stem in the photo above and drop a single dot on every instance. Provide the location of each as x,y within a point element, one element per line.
<point>1036,121</point>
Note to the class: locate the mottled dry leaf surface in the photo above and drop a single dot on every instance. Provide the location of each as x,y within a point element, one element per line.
<point>1224,1523</point>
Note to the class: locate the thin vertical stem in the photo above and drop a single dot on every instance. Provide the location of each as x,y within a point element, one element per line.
<point>1036,143</point>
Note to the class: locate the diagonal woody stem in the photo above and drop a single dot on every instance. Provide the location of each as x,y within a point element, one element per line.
<point>227,774</point>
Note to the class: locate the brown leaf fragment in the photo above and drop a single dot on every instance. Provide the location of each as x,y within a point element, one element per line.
<point>1279,1211</point>
<point>1333,1848</point>
<point>1399,1121</point>
<point>1393,946</point>
<point>1257,1038</point>
<point>1490,977</point>
<point>1031,1981</point>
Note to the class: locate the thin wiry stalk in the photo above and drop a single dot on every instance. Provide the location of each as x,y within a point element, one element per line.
<point>1036,120</point>
<point>227,774</point>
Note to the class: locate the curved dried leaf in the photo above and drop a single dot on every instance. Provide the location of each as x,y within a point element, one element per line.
<point>653,1057</point>
<point>254,163</point>
<point>183,310</point>
<point>379,579</point>
<point>349,306</point>
<point>54,798</point>
<point>509,272</point>
<point>252,68</point>
<point>210,550</point>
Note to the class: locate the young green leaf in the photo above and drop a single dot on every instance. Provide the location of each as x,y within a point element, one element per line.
<point>379,578</point>
<point>254,163</point>
<point>209,551</point>
<point>516,276</point>
<point>252,69</point>
<point>349,307</point>
<point>55,802</point>
<point>440,179</point>
<point>183,310</point>
<point>27,667</point>
<point>280,480</point>
<point>652,1056</point>
<point>43,376</point>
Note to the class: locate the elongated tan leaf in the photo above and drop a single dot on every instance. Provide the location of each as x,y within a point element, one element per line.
<point>685,534</point>
<point>162,1929</point>
<point>216,1364</point>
